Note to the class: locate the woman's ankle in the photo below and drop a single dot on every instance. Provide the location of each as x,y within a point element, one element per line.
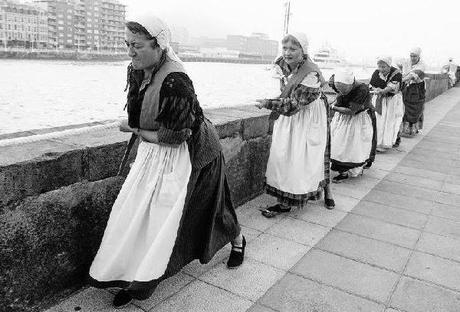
<point>238,241</point>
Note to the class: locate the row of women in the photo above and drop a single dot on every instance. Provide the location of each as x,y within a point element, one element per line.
<point>175,206</point>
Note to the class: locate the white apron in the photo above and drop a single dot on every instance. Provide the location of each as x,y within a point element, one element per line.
<point>142,228</point>
<point>296,161</point>
<point>351,137</point>
<point>389,122</point>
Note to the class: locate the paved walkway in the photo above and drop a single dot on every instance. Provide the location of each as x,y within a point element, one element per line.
<point>392,244</point>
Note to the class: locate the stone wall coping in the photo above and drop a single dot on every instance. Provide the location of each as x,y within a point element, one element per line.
<point>14,154</point>
<point>33,168</point>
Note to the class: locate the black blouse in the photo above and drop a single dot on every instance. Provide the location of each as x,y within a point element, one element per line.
<point>378,82</point>
<point>358,99</point>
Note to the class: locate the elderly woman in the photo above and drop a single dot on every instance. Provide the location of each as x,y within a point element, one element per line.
<point>175,204</point>
<point>414,94</point>
<point>387,101</point>
<point>298,165</point>
<point>353,127</point>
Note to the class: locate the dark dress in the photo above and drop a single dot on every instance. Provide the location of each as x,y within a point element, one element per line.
<point>414,101</point>
<point>208,219</point>
<point>358,101</point>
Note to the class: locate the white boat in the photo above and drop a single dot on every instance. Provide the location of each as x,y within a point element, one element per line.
<point>327,58</point>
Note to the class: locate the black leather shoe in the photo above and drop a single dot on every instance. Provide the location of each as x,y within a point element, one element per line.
<point>236,256</point>
<point>122,299</point>
<point>340,178</point>
<point>329,203</point>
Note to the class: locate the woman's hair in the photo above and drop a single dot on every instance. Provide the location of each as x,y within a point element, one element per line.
<point>291,39</point>
<point>137,28</point>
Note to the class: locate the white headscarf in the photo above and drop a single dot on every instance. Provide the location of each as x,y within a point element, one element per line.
<point>384,58</point>
<point>416,51</point>
<point>302,39</point>
<point>344,75</point>
<point>157,29</point>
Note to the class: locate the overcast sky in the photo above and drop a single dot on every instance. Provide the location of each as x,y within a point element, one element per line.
<point>359,29</point>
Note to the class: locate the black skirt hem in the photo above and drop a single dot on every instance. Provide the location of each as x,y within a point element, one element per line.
<point>296,199</point>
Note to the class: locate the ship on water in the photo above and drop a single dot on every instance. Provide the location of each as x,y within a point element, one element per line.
<point>327,58</point>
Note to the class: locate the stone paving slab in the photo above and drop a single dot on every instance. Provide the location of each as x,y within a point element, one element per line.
<point>90,300</point>
<point>400,201</point>
<point>391,215</point>
<point>317,214</point>
<point>165,290</point>
<point>380,230</point>
<point>200,296</point>
<point>365,250</point>
<point>349,275</point>
<point>420,173</point>
<point>441,246</point>
<point>416,296</point>
<point>413,191</point>
<point>436,185</point>
<point>344,202</point>
<point>443,226</point>
<point>449,212</point>
<point>296,294</point>
<point>250,281</point>
<point>354,191</point>
<point>451,188</point>
<point>449,199</point>
<point>452,179</point>
<point>275,251</point>
<point>299,231</point>
<point>260,308</point>
<point>432,166</point>
<point>434,269</point>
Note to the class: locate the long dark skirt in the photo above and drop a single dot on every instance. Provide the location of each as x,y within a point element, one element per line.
<point>208,223</point>
<point>414,102</point>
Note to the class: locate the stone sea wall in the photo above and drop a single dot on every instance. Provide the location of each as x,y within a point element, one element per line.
<point>56,195</point>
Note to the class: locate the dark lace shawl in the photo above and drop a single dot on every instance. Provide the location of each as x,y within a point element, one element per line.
<point>357,100</point>
<point>180,113</point>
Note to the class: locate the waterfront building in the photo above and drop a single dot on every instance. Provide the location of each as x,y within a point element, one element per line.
<point>82,25</point>
<point>23,25</point>
<point>258,45</point>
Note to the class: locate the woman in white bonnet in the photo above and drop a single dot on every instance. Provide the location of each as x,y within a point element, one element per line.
<point>353,127</point>
<point>298,165</point>
<point>388,103</point>
<point>175,204</point>
<point>414,93</point>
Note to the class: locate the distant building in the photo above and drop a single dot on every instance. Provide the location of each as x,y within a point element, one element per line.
<point>23,25</point>
<point>61,18</point>
<point>258,45</point>
<point>237,42</point>
<point>86,25</point>
<point>205,42</point>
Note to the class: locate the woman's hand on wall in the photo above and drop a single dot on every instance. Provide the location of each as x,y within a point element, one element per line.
<point>262,103</point>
